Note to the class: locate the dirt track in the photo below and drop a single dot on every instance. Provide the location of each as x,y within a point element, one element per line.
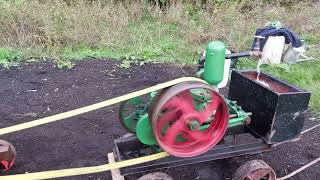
<point>38,90</point>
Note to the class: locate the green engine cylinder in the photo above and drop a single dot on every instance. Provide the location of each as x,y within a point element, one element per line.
<point>214,62</point>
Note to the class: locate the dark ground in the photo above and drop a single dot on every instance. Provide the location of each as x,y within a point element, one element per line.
<point>38,90</point>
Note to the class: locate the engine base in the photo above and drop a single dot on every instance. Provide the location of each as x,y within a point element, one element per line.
<point>130,147</point>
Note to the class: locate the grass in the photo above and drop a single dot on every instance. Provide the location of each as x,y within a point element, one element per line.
<point>75,30</point>
<point>142,32</point>
<point>9,57</point>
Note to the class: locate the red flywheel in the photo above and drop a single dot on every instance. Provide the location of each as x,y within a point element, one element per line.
<point>189,118</point>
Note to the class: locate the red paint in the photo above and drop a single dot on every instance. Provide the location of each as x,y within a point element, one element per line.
<point>180,110</point>
<point>275,86</point>
<point>5,164</point>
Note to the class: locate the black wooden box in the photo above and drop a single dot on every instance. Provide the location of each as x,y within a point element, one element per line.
<point>278,108</point>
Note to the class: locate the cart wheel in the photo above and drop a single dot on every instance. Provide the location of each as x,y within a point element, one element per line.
<point>156,176</point>
<point>255,170</point>
<point>7,155</point>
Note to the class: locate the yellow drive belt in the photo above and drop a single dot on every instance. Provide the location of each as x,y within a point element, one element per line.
<point>84,170</point>
<point>96,106</point>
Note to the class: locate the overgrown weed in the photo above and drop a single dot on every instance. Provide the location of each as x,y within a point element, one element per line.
<point>173,32</point>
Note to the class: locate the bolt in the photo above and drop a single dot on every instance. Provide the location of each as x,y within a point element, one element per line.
<point>247,121</point>
<point>194,125</point>
<point>214,112</point>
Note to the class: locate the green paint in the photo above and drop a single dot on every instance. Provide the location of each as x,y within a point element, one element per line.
<point>135,101</point>
<point>130,120</point>
<point>144,131</point>
<point>238,111</point>
<point>201,98</point>
<point>236,121</point>
<point>214,62</point>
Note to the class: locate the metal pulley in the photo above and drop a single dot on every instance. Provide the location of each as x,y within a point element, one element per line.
<point>189,118</point>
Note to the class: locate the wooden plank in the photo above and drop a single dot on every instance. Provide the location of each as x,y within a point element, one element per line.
<point>115,173</point>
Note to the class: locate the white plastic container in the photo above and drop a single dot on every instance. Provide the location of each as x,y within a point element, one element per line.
<point>273,50</point>
<point>226,72</point>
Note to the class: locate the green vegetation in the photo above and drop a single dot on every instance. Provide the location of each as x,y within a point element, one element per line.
<point>136,29</point>
<point>9,57</point>
<point>146,30</point>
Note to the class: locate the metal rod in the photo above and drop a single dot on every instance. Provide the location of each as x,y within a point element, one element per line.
<point>236,115</point>
<point>300,169</point>
<point>238,55</point>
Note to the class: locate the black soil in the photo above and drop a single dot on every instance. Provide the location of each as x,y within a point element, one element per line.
<point>39,89</point>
